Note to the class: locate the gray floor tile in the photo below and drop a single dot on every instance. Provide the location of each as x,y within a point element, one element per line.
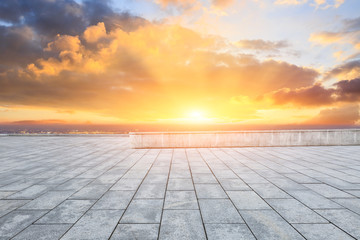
<point>181,225</point>
<point>151,191</point>
<point>321,232</point>
<point>43,173</point>
<point>48,201</point>
<point>136,231</point>
<point>181,200</point>
<point>90,192</point>
<point>344,219</point>
<point>114,200</point>
<point>247,200</point>
<point>95,224</point>
<point>268,225</point>
<point>127,184</point>
<point>313,200</point>
<point>67,212</point>
<point>352,204</point>
<point>328,191</point>
<point>228,232</point>
<point>16,221</point>
<point>74,184</point>
<point>209,191</point>
<point>180,184</point>
<point>7,206</point>
<point>30,192</point>
<point>43,232</point>
<point>219,211</point>
<point>269,190</point>
<point>233,184</point>
<point>295,212</point>
<point>4,194</point>
<point>143,211</point>
<point>204,178</point>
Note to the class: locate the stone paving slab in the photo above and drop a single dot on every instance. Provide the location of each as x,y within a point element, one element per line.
<point>99,188</point>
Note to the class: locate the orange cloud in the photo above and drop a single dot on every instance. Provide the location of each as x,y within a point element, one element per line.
<point>308,96</point>
<point>260,44</point>
<point>222,3</point>
<point>326,37</point>
<point>157,71</point>
<point>346,115</point>
<point>94,33</point>
<point>317,95</point>
<point>324,4</point>
<point>180,3</point>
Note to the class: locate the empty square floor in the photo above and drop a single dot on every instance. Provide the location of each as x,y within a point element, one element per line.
<point>97,187</point>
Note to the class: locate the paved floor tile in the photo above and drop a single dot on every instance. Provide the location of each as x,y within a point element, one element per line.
<point>233,184</point>
<point>352,204</point>
<point>204,178</point>
<point>321,232</point>
<point>48,201</point>
<point>151,191</point>
<point>209,191</point>
<point>228,232</point>
<point>90,192</point>
<point>16,221</point>
<point>295,212</point>
<point>43,232</point>
<point>74,184</point>
<point>247,200</point>
<point>114,200</point>
<point>67,212</point>
<point>143,211</point>
<point>269,190</point>
<point>127,184</point>
<point>344,219</point>
<point>182,225</point>
<point>7,206</point>
<point>219,211</point>
<point>328,191</point>
<point>313,200</point>
<point>92,187</point>
<point>180,184</point>
<point>4,194</point>
<point>95,224</point>
<point>268,225</point>
<point>136,231</point>
<point>181,200</point>
<point>30,192</point>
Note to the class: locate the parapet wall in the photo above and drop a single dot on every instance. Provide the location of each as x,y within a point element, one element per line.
<point>273,138</point>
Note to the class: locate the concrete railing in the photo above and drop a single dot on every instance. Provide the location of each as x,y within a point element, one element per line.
<point>245,138</point>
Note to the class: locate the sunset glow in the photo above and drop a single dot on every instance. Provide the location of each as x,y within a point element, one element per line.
<point>194,61</point>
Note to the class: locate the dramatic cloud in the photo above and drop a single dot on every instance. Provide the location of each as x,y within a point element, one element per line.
<point>187,4</point>
<point>346,115</point>
<point>70,57</point>
<point>290,2</point>
<point>35,23</point>
<point>326,37</point>
<point>262,45</point>
<point>316,3</point>
<point>99,70</point>
<point>184,4</point>
<point>317,95</point>
<point>349,34</point>
<point>347,70</point>
<point>222,3</point>
<point>349,90</point>
<point>310,96</point>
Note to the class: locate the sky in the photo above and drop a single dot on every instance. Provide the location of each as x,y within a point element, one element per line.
<point>258,62</point>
